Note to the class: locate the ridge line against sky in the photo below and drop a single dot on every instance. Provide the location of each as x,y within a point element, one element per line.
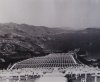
<point>52,13</point>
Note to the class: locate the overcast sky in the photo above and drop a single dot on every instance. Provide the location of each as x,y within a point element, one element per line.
<point>52,13</point>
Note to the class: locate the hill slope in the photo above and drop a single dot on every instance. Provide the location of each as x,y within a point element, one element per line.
<point>22,41</point>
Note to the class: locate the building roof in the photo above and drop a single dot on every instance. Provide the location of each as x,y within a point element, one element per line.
<point>51,60</point>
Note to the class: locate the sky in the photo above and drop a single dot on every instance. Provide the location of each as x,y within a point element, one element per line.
<point>52,13</point>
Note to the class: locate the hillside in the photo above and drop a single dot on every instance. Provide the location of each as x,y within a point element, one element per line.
<point>87,40</point>
<point>22,41</point>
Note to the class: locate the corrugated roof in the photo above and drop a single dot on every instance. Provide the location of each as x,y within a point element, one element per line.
<point>51,60</point>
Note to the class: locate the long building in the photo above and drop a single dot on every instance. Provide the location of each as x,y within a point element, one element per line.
<point>59,60</point>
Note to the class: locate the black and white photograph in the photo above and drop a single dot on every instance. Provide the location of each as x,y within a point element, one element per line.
<point>49,40</point>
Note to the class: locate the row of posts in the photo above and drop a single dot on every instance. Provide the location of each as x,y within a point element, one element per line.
<point>85,78</point>
<point>19,78</point>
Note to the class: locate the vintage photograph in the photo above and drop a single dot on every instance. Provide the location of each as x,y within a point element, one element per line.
<point>49,40</point>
